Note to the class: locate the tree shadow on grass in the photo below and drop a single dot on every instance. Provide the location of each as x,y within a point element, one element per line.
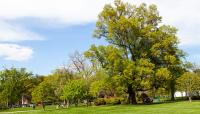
<point>162,102</point>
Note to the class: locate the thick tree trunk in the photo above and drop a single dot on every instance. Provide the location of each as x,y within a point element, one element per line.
<point>172,90</point>
<point>131,95</point>
<point>131,91</point>
<point>172,95</point>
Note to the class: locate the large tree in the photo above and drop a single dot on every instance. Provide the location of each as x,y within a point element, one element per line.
<point>137,31</point>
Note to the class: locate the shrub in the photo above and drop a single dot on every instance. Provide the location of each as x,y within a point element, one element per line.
<point>100,101</point>
<point>3,107</point>
<point>115,100</point>
<point>145,98</point>
<point>109,101</point>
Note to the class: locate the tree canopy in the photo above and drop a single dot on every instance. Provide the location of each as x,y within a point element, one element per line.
<point>139,45</point>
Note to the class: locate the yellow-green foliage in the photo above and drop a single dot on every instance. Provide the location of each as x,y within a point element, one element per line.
<point>189,82</point>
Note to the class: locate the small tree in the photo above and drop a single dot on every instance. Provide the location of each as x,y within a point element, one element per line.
<point>43,92</point>
<point>96,87</point>
<point>75,90</point>
<point>189,82</point>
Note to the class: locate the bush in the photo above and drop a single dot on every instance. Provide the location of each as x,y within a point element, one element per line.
<point>3,107</point>
<point>145,98</point>
<point>114,100</point>
<point>100,101</point>
<point>195,97</point>
<point>109,101</point>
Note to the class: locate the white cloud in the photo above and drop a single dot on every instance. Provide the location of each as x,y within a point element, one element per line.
<point>189,37</point>
<point>183,14</point>
<point>67,11</point>
<point>15,33</point>
<point>78,11</point>
<point>15,52</point>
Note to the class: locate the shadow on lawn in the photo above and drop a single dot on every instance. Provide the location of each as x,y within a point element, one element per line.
<point>163,102</point>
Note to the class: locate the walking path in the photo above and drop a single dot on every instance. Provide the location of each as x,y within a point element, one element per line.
<point>19,111</point>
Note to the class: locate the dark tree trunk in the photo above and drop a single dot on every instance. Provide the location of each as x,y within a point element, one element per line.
<point>172,90</point>
<point>131,95</point>
<point>131,91</point>
<point>172,95</point>
<point>154,92</point>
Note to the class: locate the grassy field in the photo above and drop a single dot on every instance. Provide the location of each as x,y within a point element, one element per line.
<point>166,108</point>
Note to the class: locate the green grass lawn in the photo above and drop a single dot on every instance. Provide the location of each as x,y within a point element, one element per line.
<point>166,108</point>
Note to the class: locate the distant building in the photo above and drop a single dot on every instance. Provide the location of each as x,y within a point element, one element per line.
<point>26,100</point>
<point>180,94</point>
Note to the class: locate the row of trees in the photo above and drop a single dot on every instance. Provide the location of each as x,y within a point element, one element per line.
<point>72,86</point>
<point>142,56</point>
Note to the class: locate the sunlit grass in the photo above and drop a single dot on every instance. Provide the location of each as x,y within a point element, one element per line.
<point>165,108</point>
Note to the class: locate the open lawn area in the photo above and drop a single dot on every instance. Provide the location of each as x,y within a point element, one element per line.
<point>166,108</point>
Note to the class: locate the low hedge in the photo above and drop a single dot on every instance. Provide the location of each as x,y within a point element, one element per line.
<point>109,101</point>
<point>99,101</point>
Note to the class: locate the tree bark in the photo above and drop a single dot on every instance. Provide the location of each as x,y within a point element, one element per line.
<point>172,90</point>
<point>172,95</point>
<point>131,95</point>
<point>190,98</point>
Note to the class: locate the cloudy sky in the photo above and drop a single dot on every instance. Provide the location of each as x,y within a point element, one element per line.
<point>40,34</point>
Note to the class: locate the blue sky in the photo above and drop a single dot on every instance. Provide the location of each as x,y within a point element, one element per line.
<point>54,50</point>
<point>40,34</point>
